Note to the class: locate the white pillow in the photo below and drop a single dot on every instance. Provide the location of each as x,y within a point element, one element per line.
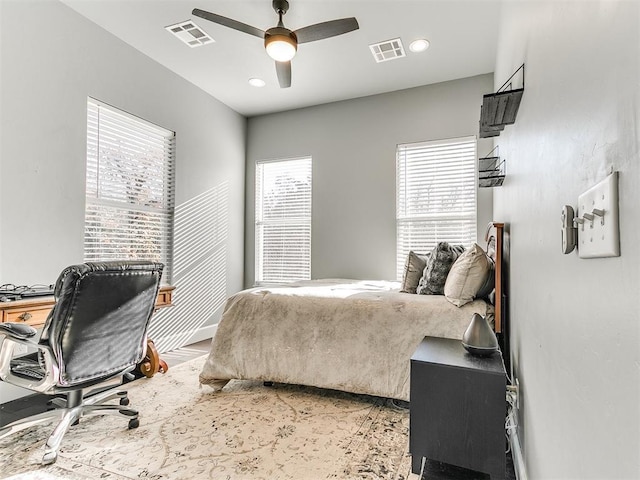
<point>467,275</point>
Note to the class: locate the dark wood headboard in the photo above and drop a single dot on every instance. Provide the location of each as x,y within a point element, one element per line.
<point>497,238</point>
<point>494,239</point>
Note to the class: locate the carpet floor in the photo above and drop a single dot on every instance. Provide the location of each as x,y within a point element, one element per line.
<point>247,431</point>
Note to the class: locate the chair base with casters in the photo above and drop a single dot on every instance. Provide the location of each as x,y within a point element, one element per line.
<point>95,335</point>
<point>69,412</point>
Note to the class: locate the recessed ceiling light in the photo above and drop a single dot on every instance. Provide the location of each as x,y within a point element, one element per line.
<point>419,45</point>
<point>256,82</point>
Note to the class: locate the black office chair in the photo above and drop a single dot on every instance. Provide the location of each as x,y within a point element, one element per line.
<point>95,332</point>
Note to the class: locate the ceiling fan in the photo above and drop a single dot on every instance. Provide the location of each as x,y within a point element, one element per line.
<point>280,42</point>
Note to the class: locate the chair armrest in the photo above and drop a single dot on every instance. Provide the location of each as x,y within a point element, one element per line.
<point>13,334</point>
<point>18,330</point>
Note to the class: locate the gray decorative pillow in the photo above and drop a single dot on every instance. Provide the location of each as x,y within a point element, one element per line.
<point>435,273</point>
<point>413,268</point>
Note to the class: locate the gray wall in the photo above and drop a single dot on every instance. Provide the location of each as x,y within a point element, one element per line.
<point>353,145</point>
<point>575,322</point>
<point>52,59</point>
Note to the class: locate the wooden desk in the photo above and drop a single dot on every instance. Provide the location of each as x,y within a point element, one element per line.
<point>33,311</point>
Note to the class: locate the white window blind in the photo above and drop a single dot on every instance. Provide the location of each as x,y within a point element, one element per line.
<point>283,220</point>
<point>129,189</point>
<point>436,195</point>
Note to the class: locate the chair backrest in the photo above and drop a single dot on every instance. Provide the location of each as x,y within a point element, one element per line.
<point>98,325</point>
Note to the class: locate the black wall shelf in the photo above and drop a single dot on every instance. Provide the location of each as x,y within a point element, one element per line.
<point>491,170</point>
<point>500,108</point>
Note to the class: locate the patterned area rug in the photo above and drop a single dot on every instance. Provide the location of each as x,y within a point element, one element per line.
<point>247,431</point>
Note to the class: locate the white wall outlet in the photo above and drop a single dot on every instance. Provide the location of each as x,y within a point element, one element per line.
<point>598,230</point>
<point>20,349</point>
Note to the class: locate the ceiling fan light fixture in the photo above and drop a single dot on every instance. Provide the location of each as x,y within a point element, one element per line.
<point>280,47</point>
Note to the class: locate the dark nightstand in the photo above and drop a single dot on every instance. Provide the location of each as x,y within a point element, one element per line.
<point>457,407</point>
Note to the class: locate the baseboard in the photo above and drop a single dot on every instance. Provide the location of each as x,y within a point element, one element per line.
<point>10,392</point>
<point>516,455</point>
<point>182,339</point>
<point>204,333</point>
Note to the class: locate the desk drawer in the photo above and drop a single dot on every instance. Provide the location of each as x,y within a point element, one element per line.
<point>31,316</point>
<point>164,297</point>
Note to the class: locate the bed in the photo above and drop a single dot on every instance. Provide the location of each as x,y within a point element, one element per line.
<point>351,335</point>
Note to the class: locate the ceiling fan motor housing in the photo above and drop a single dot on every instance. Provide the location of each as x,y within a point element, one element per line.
<point>280,32</point>
<point>280,6</point>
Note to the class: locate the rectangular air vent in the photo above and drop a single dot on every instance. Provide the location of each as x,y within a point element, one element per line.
<point>190,33</point>
<point>387,50</point>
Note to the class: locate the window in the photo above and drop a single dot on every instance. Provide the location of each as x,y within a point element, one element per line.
<point>436,195</point>
<point>283,220</point>
<point>130,201</point>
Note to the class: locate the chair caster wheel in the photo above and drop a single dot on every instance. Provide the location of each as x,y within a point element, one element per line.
<point>49,458</point>
<point>124,401</point>
<point>134,423</point>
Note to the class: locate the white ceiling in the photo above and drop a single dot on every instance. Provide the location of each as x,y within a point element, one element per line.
<point>463,36</point>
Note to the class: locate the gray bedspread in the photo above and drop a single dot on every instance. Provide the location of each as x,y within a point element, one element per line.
<point>351,335</point>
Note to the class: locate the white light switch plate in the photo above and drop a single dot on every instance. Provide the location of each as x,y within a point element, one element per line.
<point>599,237</point>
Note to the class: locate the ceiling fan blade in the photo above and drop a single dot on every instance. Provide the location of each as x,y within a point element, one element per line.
<point>326,29</point>
<point>227,22</point>
<point>283,69</point>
